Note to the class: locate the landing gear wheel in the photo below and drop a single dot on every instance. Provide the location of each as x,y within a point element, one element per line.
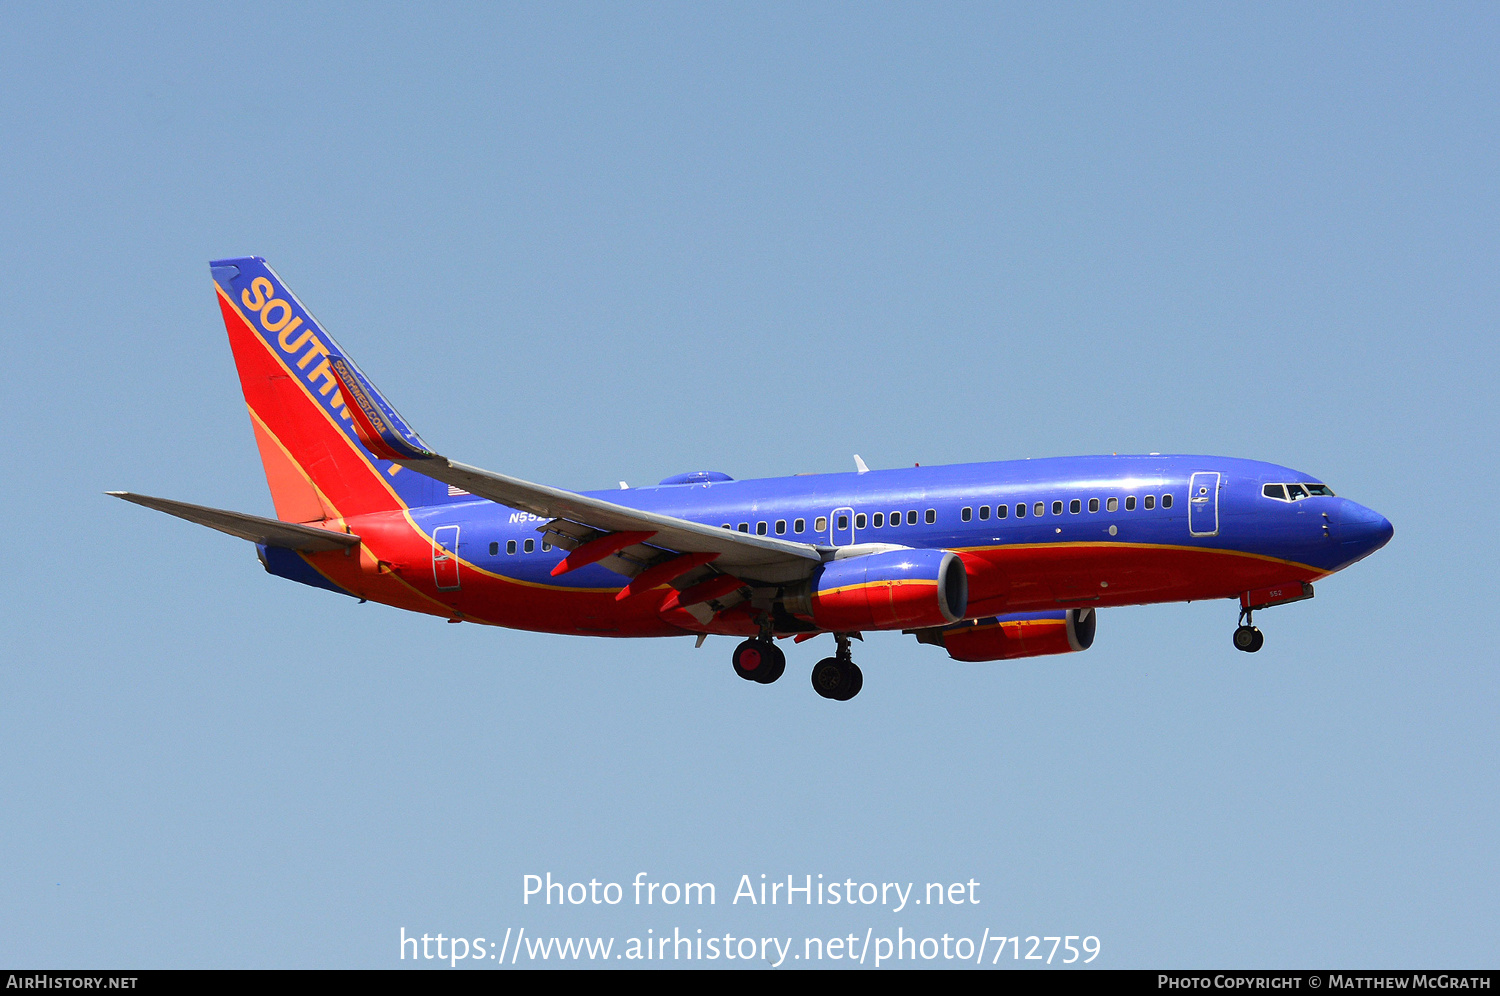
<point>837,679</point>
<point>1249,639</point>
<point>772,664</point>
<point>856,683</point>
<point>828,677</point>
<point>753,659</point>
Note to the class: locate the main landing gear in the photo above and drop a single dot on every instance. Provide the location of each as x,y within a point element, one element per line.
<point>1247,637</point>
<point>838,677</point>
<point>759,660</point>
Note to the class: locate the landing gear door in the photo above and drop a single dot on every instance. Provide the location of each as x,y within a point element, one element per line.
<point>1203,504</point>
<point>445,558</point>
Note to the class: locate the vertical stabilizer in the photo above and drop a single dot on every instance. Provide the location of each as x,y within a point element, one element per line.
<point>315,464</point>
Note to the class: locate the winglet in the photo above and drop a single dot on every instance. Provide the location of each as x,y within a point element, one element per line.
<point>380,429</point>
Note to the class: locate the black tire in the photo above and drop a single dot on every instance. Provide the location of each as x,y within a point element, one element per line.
<point>750,657</point>
<point>856,682</point>
<point>772,664</point>
<point>830,678</point>
<point>1245,638</point>
<point>1260,641</point>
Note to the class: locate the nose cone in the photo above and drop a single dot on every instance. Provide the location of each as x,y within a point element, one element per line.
<point>1362,531</point>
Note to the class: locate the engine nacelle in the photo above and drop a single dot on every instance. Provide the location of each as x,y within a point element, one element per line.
<point>1022,634</point>
<point>897,589</point>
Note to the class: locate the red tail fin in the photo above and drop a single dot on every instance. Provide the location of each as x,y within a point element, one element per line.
<point>314,462</point>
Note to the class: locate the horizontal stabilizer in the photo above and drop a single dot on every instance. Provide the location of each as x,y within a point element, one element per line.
<point>287,535</point>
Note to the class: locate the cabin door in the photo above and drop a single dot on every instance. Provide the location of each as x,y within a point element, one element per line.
<point>445,558</point>
<point>841,527</point>
<point>1203,504</point>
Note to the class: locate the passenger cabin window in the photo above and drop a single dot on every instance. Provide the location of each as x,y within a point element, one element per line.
<point>911,517</point>
<point>780,527</point>
<point>966,513</point>
<point>859,521</point>
<point>820,523</point>
<point>1040,508</point>
<point>760,529</point>
<point>1057,508</point>
<point>1000,511</point>
<point>896,518</point>
<point>799,525</point>
<point>1130,503</point>
<point>843,522</point>
<point>1166,501</point>
<point>984,512</point>
<point>510,546</point>
<point>494,549</point>
<point>1112,504</point>
<point>931,516</point>
<point>1093,504</point>
<point>744,527</point>
<point>1151,501</point>
<point>530,546</point>
<point>546,547</point>
<point>879,519</point>
<point>727,526</point>
<point>1075,506</point>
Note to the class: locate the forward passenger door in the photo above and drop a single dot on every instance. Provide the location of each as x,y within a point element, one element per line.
<point>1203,504</point>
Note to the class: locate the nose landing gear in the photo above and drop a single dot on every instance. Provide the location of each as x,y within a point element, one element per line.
<point>1248,637</point>
<point>838,677</point>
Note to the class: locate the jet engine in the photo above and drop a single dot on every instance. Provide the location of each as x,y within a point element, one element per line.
<point>1022,634</point>
<point>894,589</point>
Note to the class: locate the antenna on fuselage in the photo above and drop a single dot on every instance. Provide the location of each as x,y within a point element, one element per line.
<point>859,465</point>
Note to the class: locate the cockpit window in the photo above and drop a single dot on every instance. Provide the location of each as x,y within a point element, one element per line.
<point>1296,492</point>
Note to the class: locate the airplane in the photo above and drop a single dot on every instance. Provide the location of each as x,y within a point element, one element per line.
<point>988,561</point>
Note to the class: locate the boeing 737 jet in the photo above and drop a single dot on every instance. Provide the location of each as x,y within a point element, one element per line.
<point>988,561</point>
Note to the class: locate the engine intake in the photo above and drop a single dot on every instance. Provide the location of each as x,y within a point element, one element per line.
<point>893,590</point>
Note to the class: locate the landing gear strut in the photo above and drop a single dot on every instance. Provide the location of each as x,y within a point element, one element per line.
<point>1247,637</point>
<point>838,677</point>
<point>759,660</point>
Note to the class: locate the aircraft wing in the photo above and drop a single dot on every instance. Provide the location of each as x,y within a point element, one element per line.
<point>271,532</point>
<point>755,556</point>
<point>578,519</point>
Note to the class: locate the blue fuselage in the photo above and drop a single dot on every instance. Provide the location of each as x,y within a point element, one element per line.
<point>1128,502</point>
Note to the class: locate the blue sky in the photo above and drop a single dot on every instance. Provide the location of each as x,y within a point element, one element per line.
<point>592,243</point>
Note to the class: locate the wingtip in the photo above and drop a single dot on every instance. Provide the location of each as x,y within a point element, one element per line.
<point>372,424</point>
